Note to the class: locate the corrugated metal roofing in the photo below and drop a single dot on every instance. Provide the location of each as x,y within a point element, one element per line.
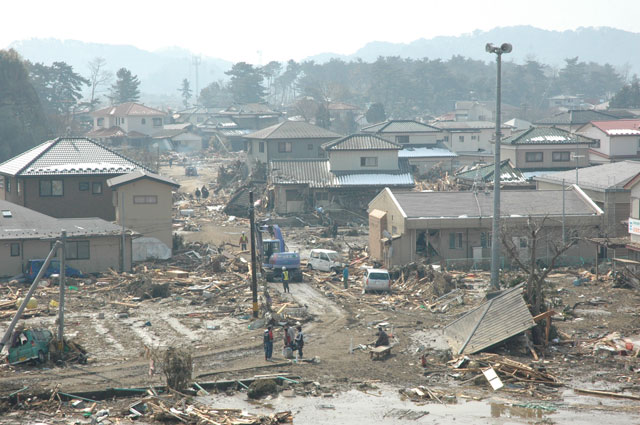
<point>512,203</point>
<point>400,126</point>
<point>490,323</point>
<point>485,173</point>
<point>128,108</point>
<point>408,152</point>
<point>25,223</point>
<point>293,130</point>
<point>316,174</point>
<point>598,177</point>
<point>545,136</point>
<point>359,142</point>
<point>69,156</point>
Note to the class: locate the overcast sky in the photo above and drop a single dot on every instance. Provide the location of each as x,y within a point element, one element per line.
<point>287,29</point>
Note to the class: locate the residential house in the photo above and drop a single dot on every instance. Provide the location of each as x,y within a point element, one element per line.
<point>424,159</point>
<point>358,167</point>
<point>605,184</point>
<point>546,148</point>
<point>566,102</point>
<point>518,124</point>
<point>481,110</point>
<point>574,119</point>
<point>470,137</point>
<point>454,228</point>
<point>133,119</point>
<point>143,202</point>
<point>224,132</point>
<point>287,140</point>
<point>633,224</point>
<point>194,115</point>
<point>65,177</point>
<point>617,140</point>
<point>253,116</point>
<point>342,111</point>
<point>93,245</point>
<point>180,137</point>
<point>406,132</point>
<point>480,177</point>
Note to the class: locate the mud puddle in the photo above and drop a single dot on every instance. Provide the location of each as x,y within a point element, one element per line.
<point>386,406</point>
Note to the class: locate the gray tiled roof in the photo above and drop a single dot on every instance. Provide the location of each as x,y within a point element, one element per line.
<point>466,125</point>
<point>576,117</point>
<point>25,223</point>
<point>545,136</point>
<point>64,156</point>
<point>316,173</point>
<point>293,130</point>
<point>400,126</point>
<point>359,142</point>
<point>140,174</point>
<point>598,177</point>
<point>468,204</point>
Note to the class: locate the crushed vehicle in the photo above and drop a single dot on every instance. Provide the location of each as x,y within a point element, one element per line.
<point>376,280</point>
<point>325,260</point>
<point>274,254</point>
<point>30,344</point>
<point>33,268</point>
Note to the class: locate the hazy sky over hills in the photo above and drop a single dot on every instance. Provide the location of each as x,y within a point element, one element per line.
<point>258,31</point>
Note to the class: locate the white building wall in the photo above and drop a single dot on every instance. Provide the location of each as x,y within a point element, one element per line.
<point>350,160</point>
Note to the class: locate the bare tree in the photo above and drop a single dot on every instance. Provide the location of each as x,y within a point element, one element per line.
<point>98,76</point>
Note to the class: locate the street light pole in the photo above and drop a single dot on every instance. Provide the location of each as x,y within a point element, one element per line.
<point>495,236</point>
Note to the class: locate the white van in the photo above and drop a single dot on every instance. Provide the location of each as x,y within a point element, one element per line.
<point>325,260</point>
<point>376,280</point>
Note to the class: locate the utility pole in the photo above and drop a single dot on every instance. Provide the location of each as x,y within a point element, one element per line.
<point>63,280</point>
<point>495,236</point>
<point>564,235</point>
<point>123,230</point>
<point>254,281</point>
<point>196,63</point>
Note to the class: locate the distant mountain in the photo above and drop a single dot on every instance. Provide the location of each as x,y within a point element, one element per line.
<point>160,72</point>
<point>601,45</point>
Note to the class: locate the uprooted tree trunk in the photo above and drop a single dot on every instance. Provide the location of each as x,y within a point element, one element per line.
<point>177,366</point>
<point>535,270</point>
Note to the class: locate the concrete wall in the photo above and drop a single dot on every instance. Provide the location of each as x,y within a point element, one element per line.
<point>518,156</point>
<point>104,253</point>
<point>350,160</point>
<point>75,202</point>
<point>152,220</point>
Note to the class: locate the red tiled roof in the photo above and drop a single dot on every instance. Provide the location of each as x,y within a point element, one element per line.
<point>610,127</point>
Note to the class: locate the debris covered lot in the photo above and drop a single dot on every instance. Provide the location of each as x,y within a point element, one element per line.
<point>200,301</point>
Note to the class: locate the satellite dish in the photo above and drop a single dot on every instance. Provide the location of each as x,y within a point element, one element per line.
<point>506,48</point>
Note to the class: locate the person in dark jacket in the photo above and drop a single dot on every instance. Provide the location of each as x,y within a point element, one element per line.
<point>383,338</point>
<point>299,341</point>
<point>268,343</point>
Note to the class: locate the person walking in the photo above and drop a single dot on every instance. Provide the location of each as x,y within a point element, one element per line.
<point>205,192</point>
<point>198,193</point>
<point>268,343</point>
<point>243,242</point>
<point>285,279</point>
<point>299,341</point>
<point>345,276</point>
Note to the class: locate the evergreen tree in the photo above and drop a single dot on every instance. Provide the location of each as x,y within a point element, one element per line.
<point>215,94</point>
<point>126,88</point>
<point>246,83</point>
<point>185,91</point>
<point>375,113</point>
<point>628,96</point>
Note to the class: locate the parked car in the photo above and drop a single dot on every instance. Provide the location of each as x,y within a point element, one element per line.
<point>34,266</point>
<point>30,344</point>
<point>377,280</point>
<point>325,260</point>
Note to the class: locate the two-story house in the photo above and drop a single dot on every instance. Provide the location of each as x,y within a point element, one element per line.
<point>253,116</point>
<point>132,119</point>
<point>287,140</point>
<point>470,137</point>
<point>65,177</point>
<point>357,168</point>
<point>546,148</point>
<point>574,119</point>
<point>616,140</point>
<point>406,133</point>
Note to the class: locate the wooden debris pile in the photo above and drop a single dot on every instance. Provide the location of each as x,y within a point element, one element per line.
<point>424,393</point>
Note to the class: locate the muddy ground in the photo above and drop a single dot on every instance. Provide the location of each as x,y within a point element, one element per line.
<point>349,386</point>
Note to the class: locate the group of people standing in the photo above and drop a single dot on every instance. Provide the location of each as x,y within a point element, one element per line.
<point>291,339</point>
<point>204,193</point>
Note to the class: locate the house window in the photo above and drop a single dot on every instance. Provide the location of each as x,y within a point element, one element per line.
<point>18,186</point>
<point>122,120</point>
<point>560,156</point>
<point>402,139</point>
<point>320,152</point>
<point>474,137</point>
<point>100,122</point>
<point>7,184</point>
<point>322,196</point>
<point>82,186</point>
<point>96,188</point>
<point>368,161</point>
<point>310,147</point>
<point>15,249</point>
<point>51,188</point>
<point>77,250</point>
<point>157,122</point>
<point>284,147</point>
<point>446,138</point>
<point>461,139</point>
<point>145,199</point>
<point>143,121</point>
<point>533,157</point>
<point>485,239</point>
<point>455,240</point>
<point>523,242</point>
<point>261,147</point>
